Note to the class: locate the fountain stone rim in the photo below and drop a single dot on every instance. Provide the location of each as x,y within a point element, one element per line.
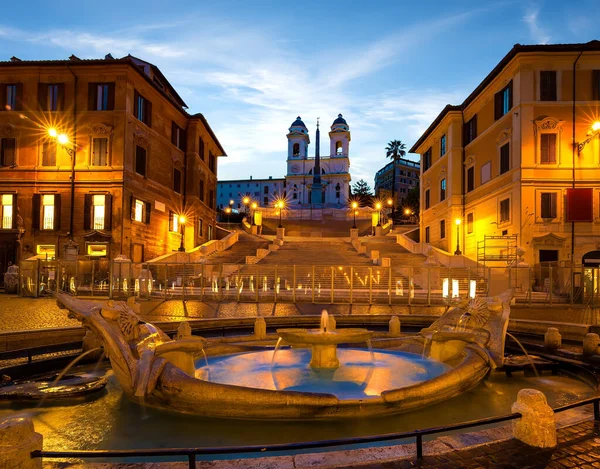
<point>319,337</point>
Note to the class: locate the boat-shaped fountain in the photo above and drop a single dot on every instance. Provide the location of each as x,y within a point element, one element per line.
<point>311,380</point>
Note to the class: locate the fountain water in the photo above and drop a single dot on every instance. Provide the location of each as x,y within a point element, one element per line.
<point>527,357</point>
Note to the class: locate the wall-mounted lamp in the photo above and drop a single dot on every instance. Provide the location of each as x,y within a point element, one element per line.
<point>594,130</point>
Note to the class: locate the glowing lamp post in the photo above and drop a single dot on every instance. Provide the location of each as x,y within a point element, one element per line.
<point>457,252</point>
<point>254,207</point>
<point>246,201</point>
<point>228,212</point>
<point>390,204</point>
<point>378,208</point>
<point>594,130</point>
<point>181,221</point>
<point>354,206</point>
<point>280,206</point>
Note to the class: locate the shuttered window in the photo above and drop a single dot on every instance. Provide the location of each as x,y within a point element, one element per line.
<point>177,136</point>
<point>548,204</point>
<point>11,97</point>
<point>142,109</point>
<point>201,190</point>
<point>427,160</point>
<point>140,160</point>
<point>548,86</point>
<point>470,130</point>
<point>442,229</point>
<point>51,96</point>
<point>504,210</point>
<point>140,210</point>
<point>503,101</point>
<point>49,153</point>
<point>469,223</point>
<point>201,148</point>
<point>427,199</point>
<point>442,190</point>
<point>101,96</point>
<point>548,148</point>
<point>97,212</point>
<point>8,148</point>
<point>9,211</point>
<point>504,158</point>
<point>470,179</point>
<point>99,152</point>
<point>426,234</point>
<point>177,181</point>
<point>596,85</point>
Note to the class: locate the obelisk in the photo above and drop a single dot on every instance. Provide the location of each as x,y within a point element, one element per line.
<point>316,195</point>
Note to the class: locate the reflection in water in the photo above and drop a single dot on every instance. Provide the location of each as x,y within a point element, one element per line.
<point>108,420</point>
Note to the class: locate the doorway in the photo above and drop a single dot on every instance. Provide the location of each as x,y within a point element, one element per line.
<point>548,255</point>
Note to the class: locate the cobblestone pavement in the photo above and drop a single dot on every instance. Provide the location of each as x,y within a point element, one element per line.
<point>18,314</point>
<point>578,447</point>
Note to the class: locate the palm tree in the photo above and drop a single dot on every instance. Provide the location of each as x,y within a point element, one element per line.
<point>394,151</point>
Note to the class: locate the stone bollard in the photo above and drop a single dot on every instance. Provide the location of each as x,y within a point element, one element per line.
<point>591,342</point>
<point>353,233</point>
<point>184,330</point>
<point>537,426</point>
<point>280,233</point>
<point>394,326</point>
<point>552,339</point>
<point>260,328</point>
<point>17,440</point>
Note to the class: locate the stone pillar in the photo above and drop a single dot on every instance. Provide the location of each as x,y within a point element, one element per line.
<point>591,342</point>
<point>379,231</point>
<point>552,339</point>
<point>260,328</point>
<point>353,233</point>
<point>537,426</point>
<point>280,233</point>
<point>17,440</point>
<point>394,326</point>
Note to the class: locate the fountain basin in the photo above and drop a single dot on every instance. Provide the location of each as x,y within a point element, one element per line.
<point>324,343</point>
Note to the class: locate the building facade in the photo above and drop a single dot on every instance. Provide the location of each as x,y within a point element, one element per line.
<point>99,158</point>
<point>335,168</point>
<point>262,191</point>
<point>519,159</point>
<point>407,178</point>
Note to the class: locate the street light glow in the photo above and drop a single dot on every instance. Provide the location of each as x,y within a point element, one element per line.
<point>407,211</point>
<point>354,205</point>
<point>457,221</point>
<point>246,200</point>
<point>378,205</point>
<point>596,126</point>
<point>63,139</point>
<point>182,219</point>
<point>389,201</point>
<point>254,205</point>
<point>52,132</point>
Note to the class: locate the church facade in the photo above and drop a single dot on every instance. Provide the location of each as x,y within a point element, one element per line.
<point>318,180</point>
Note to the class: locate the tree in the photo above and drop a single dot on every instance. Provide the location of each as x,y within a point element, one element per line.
<point>394,151</point>
<point>412,200</point>
<point>362,192</point>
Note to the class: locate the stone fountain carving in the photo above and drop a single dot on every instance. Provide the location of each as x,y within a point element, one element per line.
<point>464,344</point>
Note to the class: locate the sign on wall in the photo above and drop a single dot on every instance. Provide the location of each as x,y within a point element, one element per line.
<point>580,205</point>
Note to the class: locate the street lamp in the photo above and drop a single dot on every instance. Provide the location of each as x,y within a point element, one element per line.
<point>354,207</point>
<point>254,206</point>
<point>246,201</point>
<point>228,211</point>
<point>378,208</point>
<point>181,221</point>
<point>594,130</point>
<point>457,252</point>
<point>280,206</point>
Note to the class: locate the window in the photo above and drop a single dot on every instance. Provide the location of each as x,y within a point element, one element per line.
<point>503,101</point>
<point>173,222</point>
<point>596,85</point>
<point>140,160</point>
<point>548,148</point>
<point>12,97</point>
<point>97,249</point>
<point>486,172</point>
<point>442,229</point>
<point>338,148</point>
<point>427,200</point>
<point>469,223</point>
<point>211,162</point>
<point>49,153</point>
<point>470,178</point>
<point>265,201</point>
<point>547,86</point>
<point>201,148</point>
<point>178,136</point>
<point>140,210</point>
<point>504,210</point>
<point>48,212</point>
<point>177,180</point>
<point>101,96</point>
<point>201,190</point>
<point>426,234</point>
<point>548,205</point>
<point>427,160</point>
<point>9,211</point>
<point>443,145</point>
<point>51,96</point>
<point>266,189</point>
<point>8,148</point>
<point>97,212</point>
<point>142,109</point>
<point>210,232</point>
<point>470,130</point>
<point>201,225</point>
<point>211,198</point>
<point>296,149</point>
<point>504,158</point>
<point>442,190</point>
<point>99,151</point>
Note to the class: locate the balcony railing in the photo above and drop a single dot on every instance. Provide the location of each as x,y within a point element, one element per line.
<point>7,223</point>
<point>98,223</point>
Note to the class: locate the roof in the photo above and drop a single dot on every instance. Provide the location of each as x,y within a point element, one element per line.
<point>517,49</point>
<point>298,123</point>
<point>127,60</point>
<point>257,180</point>
<point>340,120</point>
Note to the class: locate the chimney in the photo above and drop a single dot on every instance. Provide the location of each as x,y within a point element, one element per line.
<point>74,57</point>
<point>15,59</point>
<point>108,57</point>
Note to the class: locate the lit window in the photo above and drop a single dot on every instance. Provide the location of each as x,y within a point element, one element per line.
<point>138,210</point>
<point>7,211</point>
<point>48,212</point>
<point>97,250</point>
<point>174,225</point>
<point>98,211</point>
<point>48,250</point>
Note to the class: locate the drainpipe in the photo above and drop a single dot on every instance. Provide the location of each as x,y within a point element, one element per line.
<point>74,156</point>
<point>462,181</point>
<point>573,158</point>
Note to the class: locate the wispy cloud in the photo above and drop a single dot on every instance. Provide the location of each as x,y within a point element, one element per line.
<point>538,34</point>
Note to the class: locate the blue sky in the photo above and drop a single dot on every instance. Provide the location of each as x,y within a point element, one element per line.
<point>252,66</point>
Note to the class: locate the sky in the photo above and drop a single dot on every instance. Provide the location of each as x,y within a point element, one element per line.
<point>252,66</point>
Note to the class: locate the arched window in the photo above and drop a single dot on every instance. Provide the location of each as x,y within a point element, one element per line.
<point>337,191</point>
<point>266,201</point>
<point>338,148</point>
<point>296,151</point>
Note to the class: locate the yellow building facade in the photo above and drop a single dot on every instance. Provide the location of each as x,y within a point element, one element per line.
<point>505,162</point>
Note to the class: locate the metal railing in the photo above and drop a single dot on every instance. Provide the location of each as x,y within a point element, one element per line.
<point>344,284</point>
<point>191,453</point>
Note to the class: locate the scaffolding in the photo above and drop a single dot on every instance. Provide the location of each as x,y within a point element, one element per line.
<point>494,249</point>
